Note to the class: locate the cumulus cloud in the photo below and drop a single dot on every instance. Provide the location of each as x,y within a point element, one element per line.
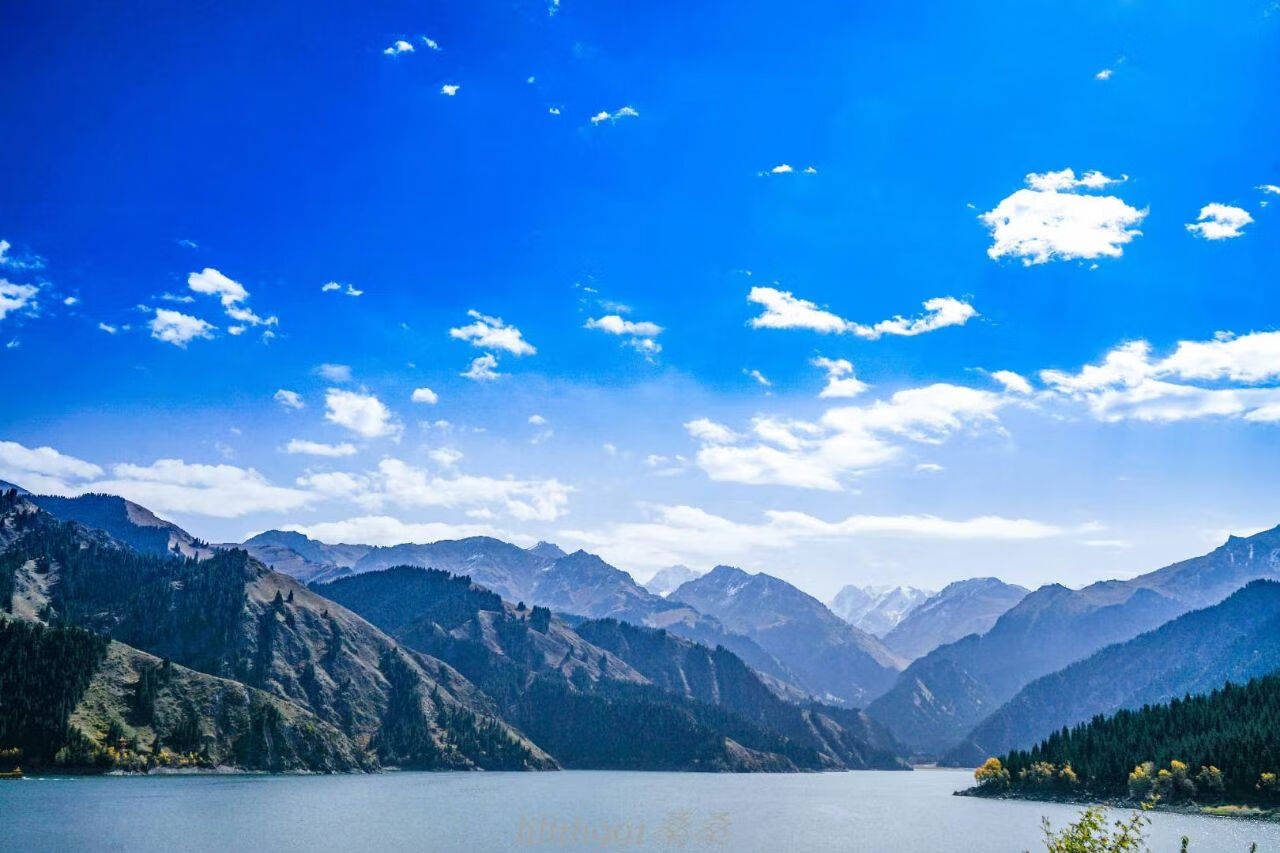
<point>363,414</point>
<point>1230,376</point>
<point>492,333</point>
<point>685,534</point>
<point>483,368</point>
<point>220,491</point>
<point>316,448</point>
<point>232,294</point>
<point>42,469</point>
<point>16,297</point>
<point>845,441</point>
<point>640,335</point>
<point>425,395</point>
<point>179,329</point>
<point>334,372</point>
<point>398,47</point>
<point>450,89</point>
<point>335,287</point>
<point>1012,381</point>
<point>1220,222</point>
<point>289,399</point>
<point>621,112</point>
<point>109,329</point>
<point>757,376</point>
<point>1053,219</point>
<point>1104,74</point>
<point>398,483</point>
<point>841,381</point>
<point>705,429</point>
<point>783,310</point>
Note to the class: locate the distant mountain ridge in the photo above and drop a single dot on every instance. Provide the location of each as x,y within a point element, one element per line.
<point>876,609</point>
<point>832,658</point>
<point>965,607</point>
<point>1197,652</point>
<point>942,696</point>
<point>667,580</point>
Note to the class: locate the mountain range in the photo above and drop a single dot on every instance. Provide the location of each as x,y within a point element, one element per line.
<point>876,609</point>
<point>943,695</point>
<point>220,660</point>
<point>962,608</point>
<point>1197,652</point>
<point>832,659</point>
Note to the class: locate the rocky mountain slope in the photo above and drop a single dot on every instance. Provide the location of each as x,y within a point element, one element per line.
<point>942,696</point>
<point>230,617</point>
<point>1234,641</point>
<point>831,658</point>
<point>571,687</point>
<point>962,608</point>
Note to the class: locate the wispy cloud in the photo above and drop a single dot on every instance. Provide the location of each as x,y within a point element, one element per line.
<point>784,310</point>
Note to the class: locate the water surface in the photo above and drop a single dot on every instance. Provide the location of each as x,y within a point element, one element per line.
<point>862,811</point>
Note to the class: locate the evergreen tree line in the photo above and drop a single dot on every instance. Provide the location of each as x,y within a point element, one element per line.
<point>1212,747</point>
<point>43,673</point>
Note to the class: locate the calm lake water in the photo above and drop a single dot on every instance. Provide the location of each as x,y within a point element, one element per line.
<point>865,811</point>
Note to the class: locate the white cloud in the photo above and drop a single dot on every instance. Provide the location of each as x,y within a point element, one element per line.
<point>221,491</point>
<point>616,325</point>
<point>1052,220</point>
<point>1012,381</point>
<point>177,328</point>
<point>385,530</point>
<point>42,469</point>
<point>1220,222</point>
<point>334,372</point>
<point>450,89</point>
<point>537,420</point>
<point>445,457</point>
<point>110,330</point>
<point>841,381</point>
<point>758,376</point>
<point>622,112</point>
<point>16,297</point>
<point>705,429</point>
<point>781,169</point>
<point>400,484</point>
<point>1104,74</point>
<point>686,534</point>
<point>492,333</point>
<point>231,294</point>
<point>71,300</point>
<point>640,334</point>
<point>483,369</point>
<point>783,310</point>
<point>335,287</point>
<point>845,441</point>
<point>928,468</point>
<point>289,399</point>
<point>431,43</point>
<point>316,448</point>
<point>31,262</point>
<point>425,395</point>
<point>1232,376</point>
<point>398,47</point>
<point>363,414</point>
<point>210,282</point>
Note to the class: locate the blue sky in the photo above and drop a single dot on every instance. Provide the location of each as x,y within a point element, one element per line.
<point>604,191</point>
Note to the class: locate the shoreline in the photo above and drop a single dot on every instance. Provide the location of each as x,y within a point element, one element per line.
<point>1233,811</point>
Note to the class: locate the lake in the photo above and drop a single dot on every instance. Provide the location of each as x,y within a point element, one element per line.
<point>862,811</point>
